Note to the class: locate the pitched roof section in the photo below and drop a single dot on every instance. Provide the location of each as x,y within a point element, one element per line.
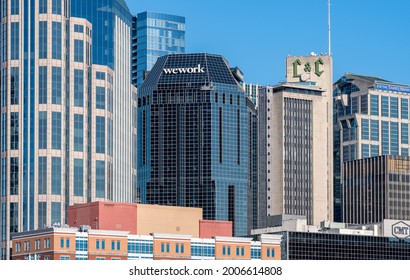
<point>350,77</point>
<point>195,69</point>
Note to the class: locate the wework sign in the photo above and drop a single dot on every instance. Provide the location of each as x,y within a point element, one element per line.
<point>189,70</point>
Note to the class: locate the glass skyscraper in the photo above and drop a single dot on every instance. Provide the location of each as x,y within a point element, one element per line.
<point>66,109</point>
<point>155,35</point>
<point>197,140</point>
<point>371,118</point>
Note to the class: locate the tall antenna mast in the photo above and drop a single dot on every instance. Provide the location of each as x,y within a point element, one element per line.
<point>328,27</point>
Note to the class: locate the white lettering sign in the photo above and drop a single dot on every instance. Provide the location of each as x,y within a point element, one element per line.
<point>188,70</point>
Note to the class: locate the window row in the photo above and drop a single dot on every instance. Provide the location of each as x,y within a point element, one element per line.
<point>100,244</point>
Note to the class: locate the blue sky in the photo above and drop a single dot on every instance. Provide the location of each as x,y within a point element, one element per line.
<point>368,37</point>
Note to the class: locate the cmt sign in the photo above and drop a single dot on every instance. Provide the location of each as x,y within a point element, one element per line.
<point>401,230</point>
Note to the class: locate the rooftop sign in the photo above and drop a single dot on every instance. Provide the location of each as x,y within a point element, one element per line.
<point>396,228</point>
<point>393,88</point>
<point>189,70</point>
<point>401,230</point>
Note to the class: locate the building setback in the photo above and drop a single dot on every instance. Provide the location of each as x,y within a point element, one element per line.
<point>197,142</point>
<point>66,110</point>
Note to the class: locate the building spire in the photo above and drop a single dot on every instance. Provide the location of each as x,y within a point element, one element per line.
<point>328,28</point>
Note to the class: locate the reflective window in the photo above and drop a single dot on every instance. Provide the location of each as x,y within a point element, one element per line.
<point>365,150</point>
<point>3,86</point>
<point>14,217</point>
<point>42,39</point>
<point>42,215</point>
<point>42,130</point>
<point>385,138</point>
<point>14,175</point>
<point>374,124</point>
<point>354,105</point>
<point>42,175</point>
<point>394,107</point>
<point>14,130</point>
<point>100,98</point>
<point>78,133</point>
<point>404,108</point>
<point>56,43</point>
<point>56,175</point>
<point>78,88</point>
<point>4,175</point>
<point>353,151</point>
<point>14,40</point>
<point>363,104</point>
<point>78,50</point>
<point>55,212</point>
<point>78,177</point>
<point>14,85</point>
<point>56,7</point>
<point>375,150</point>
<point>100,134</point>
<point>14,7</point>
<point>42,6</point>
<point>3,132</point>
<point>405,151</point>
<point>374,103</point>
<point>100,75</point>
<point>56,131</point>
<point>78,28</point>
<point>42,84</point>
<point>56,85</point>
<point>365,129</point>
<point>100,178</point>
<point>394,138</point>
<point>404,133</point>
<point>385,106</point>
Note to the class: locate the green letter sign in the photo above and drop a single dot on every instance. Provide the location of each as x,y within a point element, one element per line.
<point>318,62</point>
<point>295,68</point>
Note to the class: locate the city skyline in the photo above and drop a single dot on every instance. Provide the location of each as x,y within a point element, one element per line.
<point>260,54</point>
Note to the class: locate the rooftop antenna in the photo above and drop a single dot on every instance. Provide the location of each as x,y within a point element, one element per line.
<point>328,27</point>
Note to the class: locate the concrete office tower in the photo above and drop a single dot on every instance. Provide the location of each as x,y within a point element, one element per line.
<point>295,140</point>
<point>371,119</point>
<point>197,141</point>
<point>66,109</point>
<point>155,35</point>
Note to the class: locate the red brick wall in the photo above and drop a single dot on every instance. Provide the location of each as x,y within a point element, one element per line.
<point>209,229</point>
<point>104,215</point>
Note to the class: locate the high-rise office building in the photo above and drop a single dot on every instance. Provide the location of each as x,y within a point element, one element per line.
<point>371,119</point>
<point>197,141</point>
<point>252,90</point>
<point>157,34</point>
<point>376,188</point>
<point>66,109</point>
<point>295,151</point>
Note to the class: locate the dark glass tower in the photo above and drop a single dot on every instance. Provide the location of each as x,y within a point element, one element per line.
<point>197,141</point>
